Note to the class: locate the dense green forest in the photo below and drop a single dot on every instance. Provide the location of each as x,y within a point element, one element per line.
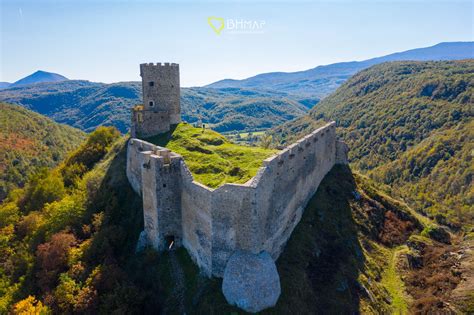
<point>29,141</point>
<point>408,124</point>
<point>68,246</point>
<point>53,245</point>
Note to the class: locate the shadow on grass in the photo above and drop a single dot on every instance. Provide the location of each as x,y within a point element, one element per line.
<point>162,139</point>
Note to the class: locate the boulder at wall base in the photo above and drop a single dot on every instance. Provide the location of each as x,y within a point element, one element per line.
<point>251,281</point>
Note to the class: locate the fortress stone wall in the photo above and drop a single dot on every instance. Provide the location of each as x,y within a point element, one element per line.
<point>235,231</point>
<point>212,224</point>
<point>161,100</point>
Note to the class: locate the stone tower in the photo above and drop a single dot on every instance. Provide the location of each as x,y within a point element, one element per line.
<point>161,100</point>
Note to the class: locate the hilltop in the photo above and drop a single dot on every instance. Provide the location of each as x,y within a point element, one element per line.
<point>409,125</point>
<point>37,77</point>
<point>30,141</point>
<point>212,158</point>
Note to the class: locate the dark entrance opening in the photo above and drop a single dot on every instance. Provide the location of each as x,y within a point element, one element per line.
<point>169,241</point>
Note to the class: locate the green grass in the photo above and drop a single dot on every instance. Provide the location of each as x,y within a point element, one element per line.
<point>393,283</point>
<point>244,135</point>
<point>212,159</point>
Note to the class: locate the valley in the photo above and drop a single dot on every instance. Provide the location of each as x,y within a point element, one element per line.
<point>390,233</point>
<point>237,157</point>
<point>409,125</point>
<point>87,105</point>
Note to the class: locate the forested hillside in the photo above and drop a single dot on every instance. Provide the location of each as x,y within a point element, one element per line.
<point>87,105</point>
<point>68,246</point>
<point>29,141</point>
<point>408,124</point>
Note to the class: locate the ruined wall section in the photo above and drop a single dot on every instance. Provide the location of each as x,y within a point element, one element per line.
<point>287,182</point>
<point>148,123</point>
<point>233,223</point>
<point>161,189</point>
<point>196,207</point>
<point>212,224</point>
<point>135,161</point>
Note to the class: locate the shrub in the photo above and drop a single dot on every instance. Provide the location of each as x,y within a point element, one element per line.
<point>52,258</point>
<point>43,187</point>
<point>66,212</point>
<point>9,214</point>
<point>30,306</point>
<point>29,224</point>
<point>437,233</point>
<point>65,293</point>
<point>94,149</point>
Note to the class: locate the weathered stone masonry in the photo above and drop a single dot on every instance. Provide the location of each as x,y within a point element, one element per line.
<point>161,100</point>
<point>236,231</point>
<point>212,224</point>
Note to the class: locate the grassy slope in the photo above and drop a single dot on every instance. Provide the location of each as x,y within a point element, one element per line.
<point>212,158</point>
<point>28,141</point>
<point>415,116</point>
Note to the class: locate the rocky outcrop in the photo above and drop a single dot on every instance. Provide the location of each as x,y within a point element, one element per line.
<point>251,281</point>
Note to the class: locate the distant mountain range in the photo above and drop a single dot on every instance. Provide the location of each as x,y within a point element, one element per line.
<point>256,103</point>
<point>37,77</point>
<point>323,80</point>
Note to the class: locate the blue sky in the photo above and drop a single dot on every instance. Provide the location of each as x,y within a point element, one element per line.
<point>105,41</point>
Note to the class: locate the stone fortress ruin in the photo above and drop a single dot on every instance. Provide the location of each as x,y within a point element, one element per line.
<point>236,231</point>
<point>161,104</point>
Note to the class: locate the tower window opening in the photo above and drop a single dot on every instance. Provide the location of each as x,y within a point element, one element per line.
<point>151,83</point>
<point>151,103</point>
